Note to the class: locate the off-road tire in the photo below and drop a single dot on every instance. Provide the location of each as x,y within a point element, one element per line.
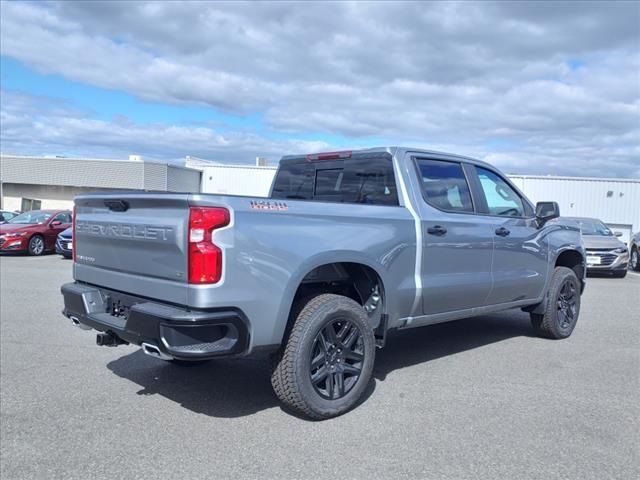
<point>36,248</point>
<point>291,377</point>
<point>550,324</point>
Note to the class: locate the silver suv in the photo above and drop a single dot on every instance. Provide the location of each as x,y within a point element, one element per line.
<point>605,252</point>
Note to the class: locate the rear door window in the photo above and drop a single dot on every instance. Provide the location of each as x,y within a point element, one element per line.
<point>445,186</point>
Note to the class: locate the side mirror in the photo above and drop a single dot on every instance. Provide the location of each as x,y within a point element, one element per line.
<point>55,223</point>
<point>546,211</point>
<point>618,234</point>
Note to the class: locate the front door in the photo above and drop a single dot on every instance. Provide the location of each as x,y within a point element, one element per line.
<point>520,258</point>
<point>51,234</point>
<point>457,244</point>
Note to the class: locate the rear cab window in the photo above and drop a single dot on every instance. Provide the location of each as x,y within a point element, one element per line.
<point>364,178</point>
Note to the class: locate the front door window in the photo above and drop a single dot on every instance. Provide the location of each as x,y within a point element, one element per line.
<point>502,200</point>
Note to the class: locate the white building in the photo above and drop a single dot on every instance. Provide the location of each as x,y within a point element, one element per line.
<point>250,180</point>
<point>29,183</point>
<point>614,201</point>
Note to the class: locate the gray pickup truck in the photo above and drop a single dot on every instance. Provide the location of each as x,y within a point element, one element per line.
<point>348,246</point>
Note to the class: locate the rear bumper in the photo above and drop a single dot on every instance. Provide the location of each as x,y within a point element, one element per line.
<point>177,332</point>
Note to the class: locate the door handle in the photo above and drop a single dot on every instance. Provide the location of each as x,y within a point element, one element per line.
<point>436,230</point>
<point>503,232</point>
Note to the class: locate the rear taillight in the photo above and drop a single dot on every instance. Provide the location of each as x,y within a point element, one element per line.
<point>205,258</point>
<point>73,235</point>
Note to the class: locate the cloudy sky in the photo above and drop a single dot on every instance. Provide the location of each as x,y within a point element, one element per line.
<point>540,87</point>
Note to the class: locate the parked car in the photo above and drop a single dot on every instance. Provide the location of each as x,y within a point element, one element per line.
<point>6,215</point>
<point>634,248</point>
<point>349,246</point>
<point>64,244</point>
<point>605,252</point>
<point>34,232</point>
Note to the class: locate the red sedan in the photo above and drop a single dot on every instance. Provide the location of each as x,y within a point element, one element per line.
<point>34,232</point>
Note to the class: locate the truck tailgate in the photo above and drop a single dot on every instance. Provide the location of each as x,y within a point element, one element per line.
<point>133,242</point>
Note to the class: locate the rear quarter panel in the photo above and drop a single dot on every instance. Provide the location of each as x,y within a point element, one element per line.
<point>267,253</point>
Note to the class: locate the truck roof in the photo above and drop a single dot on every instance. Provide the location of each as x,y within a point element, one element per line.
<point>395,150</point>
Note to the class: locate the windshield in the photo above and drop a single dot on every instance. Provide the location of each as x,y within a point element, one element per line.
<point>31,218</point>
<point>594,227</point>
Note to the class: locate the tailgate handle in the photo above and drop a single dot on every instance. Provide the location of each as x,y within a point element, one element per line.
<point>117,205</point>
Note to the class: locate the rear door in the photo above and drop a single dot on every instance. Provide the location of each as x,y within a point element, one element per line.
<point>135,243</point>
<point>520,259</point>
<point>457,243</point>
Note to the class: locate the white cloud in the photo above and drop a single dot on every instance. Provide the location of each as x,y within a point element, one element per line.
<point>558,84</point>
<point>41,126</point>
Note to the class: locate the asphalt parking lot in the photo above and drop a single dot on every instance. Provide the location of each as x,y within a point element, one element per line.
<point>477,398</point>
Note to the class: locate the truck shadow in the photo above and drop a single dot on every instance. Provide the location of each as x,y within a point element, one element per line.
<point>220,388</point>
<point>406,348</point>
<point>241,387</point>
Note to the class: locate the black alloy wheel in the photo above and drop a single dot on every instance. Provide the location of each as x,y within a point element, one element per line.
<point>336,359</point>
<point>561,310</point>
<point>326,364</point>
<point>567,304</point>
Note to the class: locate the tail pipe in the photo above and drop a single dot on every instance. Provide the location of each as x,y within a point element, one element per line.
<point>154,351</point>
<point>76,323</point>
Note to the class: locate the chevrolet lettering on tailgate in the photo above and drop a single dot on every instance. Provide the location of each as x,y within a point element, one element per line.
<point>117,230</point>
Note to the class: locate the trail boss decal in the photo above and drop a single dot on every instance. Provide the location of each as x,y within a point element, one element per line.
<point>268,205</point>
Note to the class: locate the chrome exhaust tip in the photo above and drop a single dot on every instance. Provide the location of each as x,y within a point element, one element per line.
<point>76,323</point>
<point>154,351</point>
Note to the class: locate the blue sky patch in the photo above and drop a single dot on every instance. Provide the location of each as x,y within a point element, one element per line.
<point>575,63</point>
<point>109,105</point>
<point>105,104</point>
<point>500,144</point>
